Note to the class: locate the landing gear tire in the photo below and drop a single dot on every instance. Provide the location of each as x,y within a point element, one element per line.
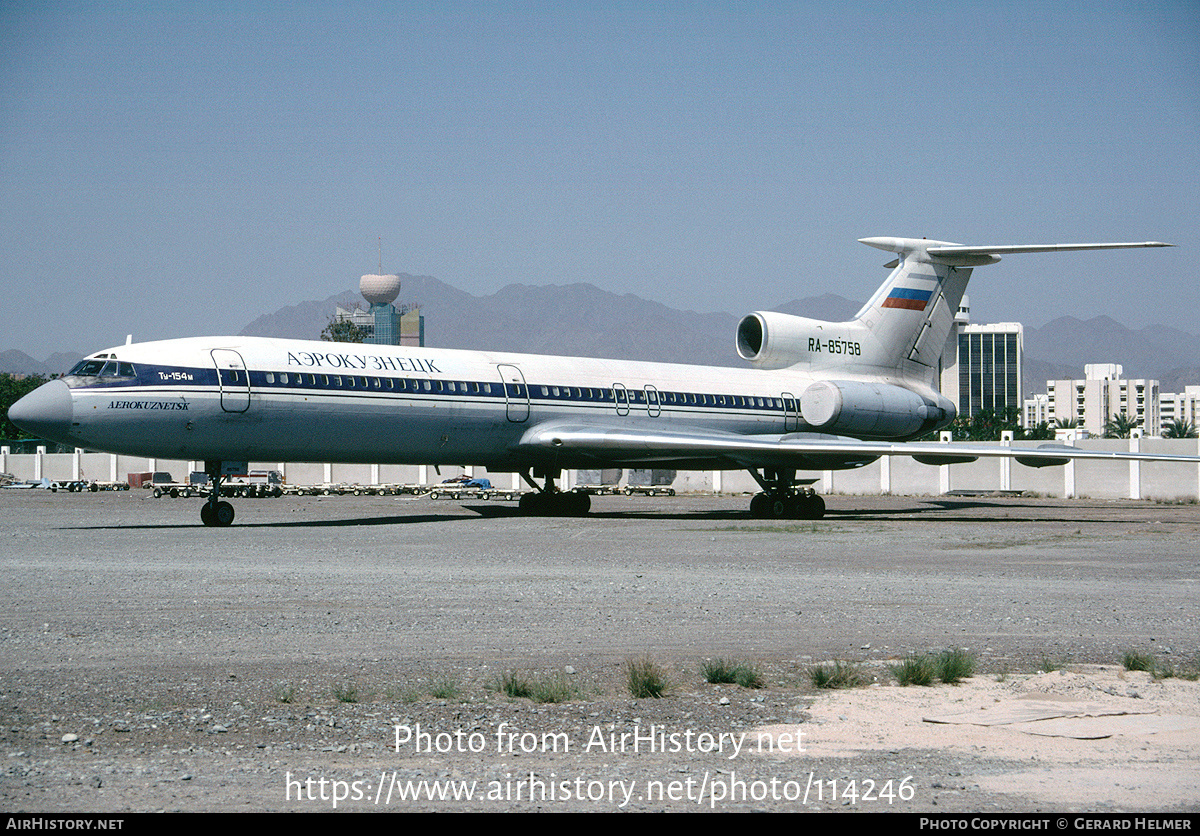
<point>758,506</point>
<point>543,504</point>
<point>765,506</point>
<point>581,503</point>
<point>813,507</point>
<point>220,517</point>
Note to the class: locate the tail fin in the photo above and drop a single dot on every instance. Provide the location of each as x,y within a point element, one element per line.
<point>912,313</point>
<point>903,329</point>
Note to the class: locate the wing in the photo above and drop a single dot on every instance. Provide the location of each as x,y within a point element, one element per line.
<point>701,448</point>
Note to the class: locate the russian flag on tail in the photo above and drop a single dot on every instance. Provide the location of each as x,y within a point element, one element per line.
<point>908,298</point>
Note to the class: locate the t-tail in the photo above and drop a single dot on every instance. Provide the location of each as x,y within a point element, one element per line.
<point>882,365</point>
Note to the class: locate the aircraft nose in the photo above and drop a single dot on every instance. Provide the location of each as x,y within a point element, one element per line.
<point>46,412</point>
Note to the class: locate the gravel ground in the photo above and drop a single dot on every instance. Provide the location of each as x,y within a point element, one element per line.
<point>149,663</point>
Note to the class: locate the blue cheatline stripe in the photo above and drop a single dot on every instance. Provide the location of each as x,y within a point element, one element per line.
<point>170,378</point>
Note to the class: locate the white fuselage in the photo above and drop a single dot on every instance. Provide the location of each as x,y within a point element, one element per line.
<point>286,400</point>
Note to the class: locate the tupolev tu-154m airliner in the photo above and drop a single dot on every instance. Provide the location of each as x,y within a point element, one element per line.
<point>818,396</point>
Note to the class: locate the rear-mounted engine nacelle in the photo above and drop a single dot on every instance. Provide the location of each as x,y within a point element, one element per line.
<point>773,340</point>
<point>872,410</point>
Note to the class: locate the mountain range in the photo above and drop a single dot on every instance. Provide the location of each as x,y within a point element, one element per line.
<point>584,321</point>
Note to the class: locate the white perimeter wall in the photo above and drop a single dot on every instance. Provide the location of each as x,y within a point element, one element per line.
<point>892,474</point>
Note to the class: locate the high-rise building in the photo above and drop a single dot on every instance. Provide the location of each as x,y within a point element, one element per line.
<point>981,365</point>
<point>1180,406</point>
<point>1036,411</point>
<point>1099,398</point>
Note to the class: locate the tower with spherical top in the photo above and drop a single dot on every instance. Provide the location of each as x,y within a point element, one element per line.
<point>381,291</point>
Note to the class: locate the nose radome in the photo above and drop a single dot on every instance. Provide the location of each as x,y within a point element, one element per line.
<point>46,412</point>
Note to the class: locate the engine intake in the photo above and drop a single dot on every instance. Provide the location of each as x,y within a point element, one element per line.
<point>774,340</point>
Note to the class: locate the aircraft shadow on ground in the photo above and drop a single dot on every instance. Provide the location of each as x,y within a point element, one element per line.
<point>501,512</point>
<point>935,510</point>
<point>330,523</point>
<point>942,510</point>
<point>938,510</point>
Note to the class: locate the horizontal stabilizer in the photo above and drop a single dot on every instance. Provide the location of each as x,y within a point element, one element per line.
<point>959,255</point>
<point>1012,249</point>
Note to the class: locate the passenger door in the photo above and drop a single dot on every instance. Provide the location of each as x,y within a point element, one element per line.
<point>791,413</point>
<point>516,393</point>
<point>621,396</point>
<point>652,404</point>
<point>233,379</point>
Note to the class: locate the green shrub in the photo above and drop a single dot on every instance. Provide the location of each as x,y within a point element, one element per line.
<point>718,671</point>
<point>345,692</point>
<point>953,666</point>
<point>837,675</point>
<point>1048,665</point>
<point>541,689</point>
<point>748,677</point>
<point>645,679</point>
<point>553,689</point>
<point>514,685</point>
<point>726,672</point>
<point>445,689</point>
<point>915,670</point>
<point>1135,660</point>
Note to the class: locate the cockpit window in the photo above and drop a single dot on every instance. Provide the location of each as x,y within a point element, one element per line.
<point>88,368</point>
<point>98,367</point>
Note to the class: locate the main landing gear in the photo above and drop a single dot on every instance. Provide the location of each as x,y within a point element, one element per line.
<point>549,501</point>
<point>216,511</point>
<point>782,499</point>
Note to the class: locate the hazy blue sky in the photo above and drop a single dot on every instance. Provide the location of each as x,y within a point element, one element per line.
<point>174,169</point>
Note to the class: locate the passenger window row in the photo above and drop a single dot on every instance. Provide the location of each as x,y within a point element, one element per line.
<point>567,393</point>
<point>106,366</point>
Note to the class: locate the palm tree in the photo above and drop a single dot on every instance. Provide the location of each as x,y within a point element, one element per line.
<point>1066,423</point>
<point>1040,431</point>
<point>986,425</point>
<point>1120,426</point>
<point>1179,428</point>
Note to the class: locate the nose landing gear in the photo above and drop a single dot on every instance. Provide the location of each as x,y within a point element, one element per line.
<point>215,511</point>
